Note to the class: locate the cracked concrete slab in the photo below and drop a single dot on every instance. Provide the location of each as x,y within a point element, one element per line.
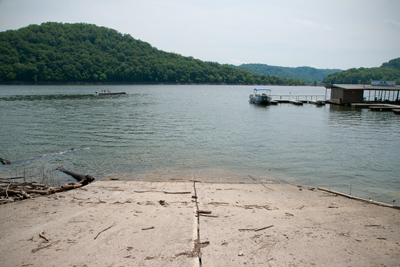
<point>139,223</point>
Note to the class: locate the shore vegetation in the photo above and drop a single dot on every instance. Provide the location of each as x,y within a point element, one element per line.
<point>85,53</point>
<point>388,71</point>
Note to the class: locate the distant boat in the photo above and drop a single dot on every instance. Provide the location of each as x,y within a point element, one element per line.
<point>108,92</point>
<point>260,96</point>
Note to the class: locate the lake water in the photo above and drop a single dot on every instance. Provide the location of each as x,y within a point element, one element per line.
<point>204,131</point>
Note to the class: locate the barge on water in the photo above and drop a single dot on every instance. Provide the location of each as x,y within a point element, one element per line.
<point>108,92</point>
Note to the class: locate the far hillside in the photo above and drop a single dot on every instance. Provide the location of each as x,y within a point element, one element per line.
<point>388,71</point>
<point>307,74</point>
<point>85,53</point>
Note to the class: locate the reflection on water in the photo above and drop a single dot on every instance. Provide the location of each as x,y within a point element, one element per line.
<point>210,132</point>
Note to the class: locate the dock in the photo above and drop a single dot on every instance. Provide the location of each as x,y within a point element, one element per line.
<point>378,107</point>
<point>299,100</point>
<point>296,102</point>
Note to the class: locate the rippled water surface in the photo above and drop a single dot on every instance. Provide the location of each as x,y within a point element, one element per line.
<point>210,132</point>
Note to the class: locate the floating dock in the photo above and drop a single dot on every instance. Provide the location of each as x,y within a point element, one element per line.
<point>299,99</point>
<point>378,107</point>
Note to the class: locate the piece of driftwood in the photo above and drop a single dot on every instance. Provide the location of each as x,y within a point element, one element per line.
<point>263,228</point>
<point>256,229</point>
<point>5,161</point>
<point>203,212</point>
<point>84,179</point>
<point>43,236</point>
<point>358,198</point>
<point>49,245</point>
<point>104,230</point>
<point>148,228</point>
<point>208,215</point>
<point>165,192</point>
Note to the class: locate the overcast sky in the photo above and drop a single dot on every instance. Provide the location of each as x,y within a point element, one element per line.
<point>339,34</point>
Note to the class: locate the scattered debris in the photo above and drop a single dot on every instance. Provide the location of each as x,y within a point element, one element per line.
<point>163,203</point>
<point>148,228</point>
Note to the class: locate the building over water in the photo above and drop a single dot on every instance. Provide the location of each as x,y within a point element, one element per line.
<point>377,91</point>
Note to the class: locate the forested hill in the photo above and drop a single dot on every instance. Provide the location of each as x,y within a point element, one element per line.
<point>59,53</point>
<point>388,71</point>
<point>308,74</point>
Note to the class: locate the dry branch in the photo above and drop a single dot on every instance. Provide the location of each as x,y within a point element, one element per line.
<point>42,236</point>
<point>203,211</point>
<point>358,198</point>
<point>256,229</point>
<point>104,230</point>
<point>148,228</point>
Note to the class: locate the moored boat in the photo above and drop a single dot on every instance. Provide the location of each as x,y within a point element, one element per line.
<point>260,96</point>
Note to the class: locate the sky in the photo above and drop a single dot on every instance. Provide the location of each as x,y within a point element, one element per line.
<point>324,34</point>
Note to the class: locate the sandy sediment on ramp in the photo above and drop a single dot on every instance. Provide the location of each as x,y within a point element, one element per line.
<point>170,223</point>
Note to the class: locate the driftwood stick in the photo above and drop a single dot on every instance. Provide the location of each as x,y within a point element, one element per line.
<point>42,236</point>
<point>12,178</point>
<point>256,229</point>
<point>148,228</point>
<point>5,161</point>
<point>39,192</point>
<point>203,211</point>
<point>177,192</point>
<point>358,198</point>
<point>7,190</point>
<point>25,194</point>
<point>165,192</point>
<point>49,245</point>
<point>104,230</point>
<point>207,215</point>
<point>82,178</point>
<point>263,228</point>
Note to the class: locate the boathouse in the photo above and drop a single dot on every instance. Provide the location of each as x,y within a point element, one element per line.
<point>377,91</point>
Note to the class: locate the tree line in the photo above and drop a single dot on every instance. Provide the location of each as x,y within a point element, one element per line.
<point>60,53</point>
<point>308,75</point>
<point>388,71</point>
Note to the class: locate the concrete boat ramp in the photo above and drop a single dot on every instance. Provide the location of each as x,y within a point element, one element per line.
<point>192,223</point>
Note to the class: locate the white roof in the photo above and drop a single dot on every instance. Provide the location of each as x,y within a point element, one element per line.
<point>364,87</point>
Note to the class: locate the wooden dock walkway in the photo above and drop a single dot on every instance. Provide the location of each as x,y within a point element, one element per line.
<point>299,99</point>
<point>378,107</point>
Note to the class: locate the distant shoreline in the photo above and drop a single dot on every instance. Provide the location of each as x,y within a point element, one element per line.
<point>140,83</point>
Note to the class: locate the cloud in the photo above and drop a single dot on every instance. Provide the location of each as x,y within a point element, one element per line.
<point>393,23</point>
<point>310,24</point>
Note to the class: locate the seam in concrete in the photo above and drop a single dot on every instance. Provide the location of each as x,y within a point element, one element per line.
<point>196,240</point>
